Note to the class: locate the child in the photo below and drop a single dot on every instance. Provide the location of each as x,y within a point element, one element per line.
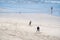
<point>38,29</point>
<point>30,23</point>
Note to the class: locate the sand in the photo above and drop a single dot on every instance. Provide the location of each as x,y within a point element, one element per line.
<point>15,27</point>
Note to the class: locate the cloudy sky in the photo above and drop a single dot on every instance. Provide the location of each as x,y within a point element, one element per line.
<point>31,6</point>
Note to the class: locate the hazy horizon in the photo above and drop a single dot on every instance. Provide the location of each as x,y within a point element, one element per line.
<point>30,6</point>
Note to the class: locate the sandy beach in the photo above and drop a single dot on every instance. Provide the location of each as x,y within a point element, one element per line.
<point>15,27</point>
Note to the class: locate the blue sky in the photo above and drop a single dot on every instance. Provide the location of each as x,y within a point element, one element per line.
<point>30,6</point>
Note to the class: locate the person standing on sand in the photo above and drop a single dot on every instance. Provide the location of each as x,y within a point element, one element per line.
<point>38,28</point>
<point>30,23</point>
<point>51,10</point>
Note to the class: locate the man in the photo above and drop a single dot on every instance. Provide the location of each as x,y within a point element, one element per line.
<point>51,10</point>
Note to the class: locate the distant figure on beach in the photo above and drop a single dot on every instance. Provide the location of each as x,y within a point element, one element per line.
<point>30,23</point>
<point>38,28</point>
<point>51,10</point>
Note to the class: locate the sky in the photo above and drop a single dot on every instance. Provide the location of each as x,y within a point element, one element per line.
<point>30,6</point>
